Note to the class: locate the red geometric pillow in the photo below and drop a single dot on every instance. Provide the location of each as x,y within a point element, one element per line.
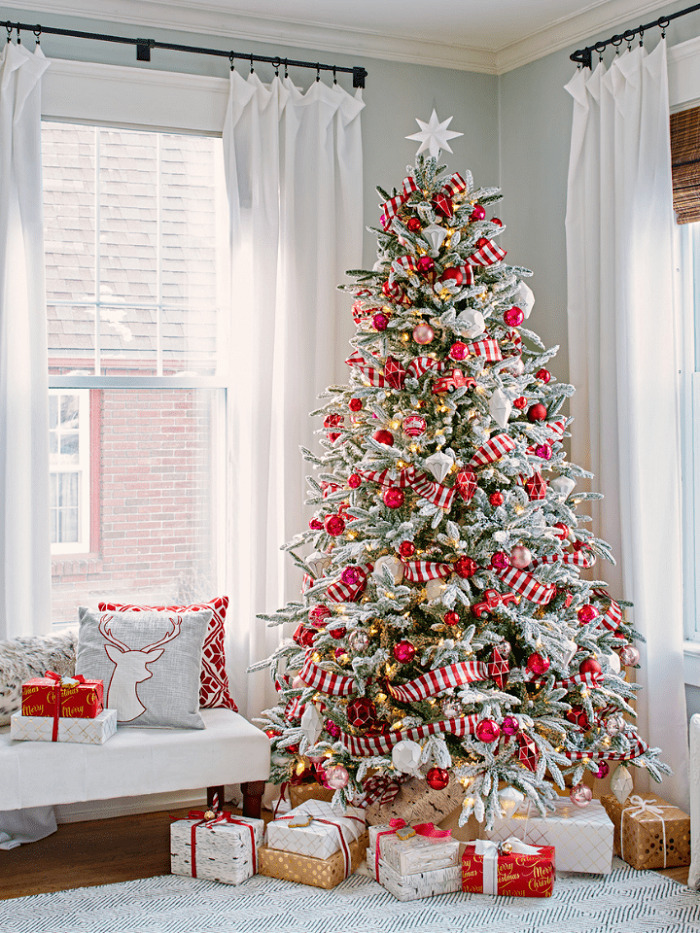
<point>213,683</point>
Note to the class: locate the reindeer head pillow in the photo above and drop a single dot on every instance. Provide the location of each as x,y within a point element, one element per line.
<point>149,662</point>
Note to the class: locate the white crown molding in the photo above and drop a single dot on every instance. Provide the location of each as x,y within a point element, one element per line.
<point>214,19</point>
<point>684,77</point>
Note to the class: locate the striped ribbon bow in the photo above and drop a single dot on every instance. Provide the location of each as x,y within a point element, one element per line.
<point>426,488</point>
<point>439,680</point>
<point>528,586</point>
<point>589,679</point>
<point>487,254</point>
<point>422,364</point>
<point>454,185</point>
<point>420,571</point>
<point>340,592</point>
<point>373,376</point>
<point>402,266</point>
<point>391,207</point>
<point>613,616</point>
<point>495,448</point>
<point>486,347</point>
<point>370,745</point>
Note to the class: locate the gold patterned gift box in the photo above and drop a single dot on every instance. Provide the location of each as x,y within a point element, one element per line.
<point>649,832</point>
<point>303,869</point>
<point>65,729</point>
<point>300,793</point>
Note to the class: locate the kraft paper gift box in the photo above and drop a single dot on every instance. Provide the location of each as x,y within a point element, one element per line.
<point>649,832</point>
<point>321,837</point>
<point>304,869</point>
<point>300,793</point>
<point>522,871</point>
<point>582,837</point>
<point>223,849</point>
<point>83,731</point>
<point>67,697</point>
<point>408,852</point>
<point>416,886</point>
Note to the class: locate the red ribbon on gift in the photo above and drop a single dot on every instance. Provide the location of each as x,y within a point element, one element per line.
<point>429,830</point>
<point>221,817</point>
<point>58,701</point>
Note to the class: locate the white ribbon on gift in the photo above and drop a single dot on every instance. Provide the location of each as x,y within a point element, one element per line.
<point>638,806</point>
<point>490,851</point>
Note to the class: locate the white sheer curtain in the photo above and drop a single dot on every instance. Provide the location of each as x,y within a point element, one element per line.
<point>619,229</point>
<point>293,167</point>
<point>25,568</point>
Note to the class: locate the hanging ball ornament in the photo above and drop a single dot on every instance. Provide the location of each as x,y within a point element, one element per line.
<point>497,221</point>
<point>337,777</point>
<point>332,728</point>
<point>629,656</point>
<point>451,618</point>
<point>318,615</point>
<point>520,402</point>
<point>561,531</point>
<point>358,641</point>
<point>521,557</point>
<point>452,276</point>
<point>587,614</point>
<point>425,264</point>
<point>407,549</point>
<point>500,561</point>
<point>354,481</point>
<point>383,436</point>
<point>405,756</point>
<point>496,499</point>
<point>514,317</point>
<point>581,795</point>
<point>351,576</point>
<point>615,725</point>
<point>334,525</point>
<point>423,334</point>
<point>590,666</point>
<point>393,497</point>
<point>380,321</point>
<point>404,652</point>
<point>478,213</point>
<point>538,665</point>
<point>487,730</point>
<point>361,713</point>
<point>355,404</point>
<point>414,225</point>
<point>414,425</point>
<point>510,725</point>
<point>537,412</point>
<point>543,375</point>
<point>465,567</point>
<point>603,770</point>
<point>459,351</point>
<point>543,451</point>
<point>438,778</point>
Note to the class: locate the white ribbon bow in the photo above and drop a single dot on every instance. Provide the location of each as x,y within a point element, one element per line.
<point>490,850</point>
<point>638,806</point>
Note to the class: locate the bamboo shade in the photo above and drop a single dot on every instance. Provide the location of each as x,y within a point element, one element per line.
<point>685,162</point>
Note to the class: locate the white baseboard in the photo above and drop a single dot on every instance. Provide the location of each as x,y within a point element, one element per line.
<point>128,806</point>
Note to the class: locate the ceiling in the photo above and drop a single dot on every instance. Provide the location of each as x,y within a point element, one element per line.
<point>489,36</point>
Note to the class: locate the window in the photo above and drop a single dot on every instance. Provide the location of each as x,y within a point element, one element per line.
<point>135,233</point>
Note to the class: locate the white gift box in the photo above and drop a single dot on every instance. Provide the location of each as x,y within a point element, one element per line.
<point>223,851</point>
<point>416,886</point>
<point>84,731</point>
<point>415,854</point>
<point>582,836</point>
<point>321,838</point>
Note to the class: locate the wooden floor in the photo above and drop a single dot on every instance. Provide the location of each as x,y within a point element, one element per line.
<point>90,853</point>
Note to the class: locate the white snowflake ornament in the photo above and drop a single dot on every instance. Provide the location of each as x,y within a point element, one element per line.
<point>439,465</point>
<point>434,135</point>
<point>500,407</point>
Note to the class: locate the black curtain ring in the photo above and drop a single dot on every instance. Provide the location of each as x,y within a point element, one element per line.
<point>276,62</point>
<point>231,57</point>
<point>37,34</point>
<point>252,68</point>
<point>9,32</point>
<point>318,71</point>
<point>335,75</point>
<point>286,68</point>
<point>663,25</point>
<point>628,35</point>
<point>600,48</point>
<point>617,42</point>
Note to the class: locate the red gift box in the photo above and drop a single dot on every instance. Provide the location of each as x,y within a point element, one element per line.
<point>511,868</point>
<point>67,697</point>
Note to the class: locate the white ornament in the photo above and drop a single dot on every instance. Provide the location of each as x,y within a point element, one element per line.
<point>318,562</point>
<point>434,135</point>
<point>434,589</point>
<point>470,323</point>
<point>614,662</point>
<point>439,465</point>
<point>500,407</point>
<point>621,783</point>
<point>358,641</point>
<point>510,799</point>
<point>405,756</point>
<point>570,648</point>
<point>563,486</point>
<point>311,723</point>
<point>515,366</point>
<point>393,564</point>
<point>524,299</point>
<point>435,235</point>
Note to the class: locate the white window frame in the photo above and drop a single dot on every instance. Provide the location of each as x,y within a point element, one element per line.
<point>82,468</point>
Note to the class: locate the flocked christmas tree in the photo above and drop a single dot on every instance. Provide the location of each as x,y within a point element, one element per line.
<point>444,627</point>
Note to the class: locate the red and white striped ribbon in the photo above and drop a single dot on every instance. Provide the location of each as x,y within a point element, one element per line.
<point>455,185</point>
<point>368,745</point>
<point>420,571</point>
<point>439,495</point>
<point>372,375</point>
<point>294,709</point>
<point>340,592</point>
<point>638,748</point>
<point>439,680</point>
<point>381,789</point>
<point>613,615</point>
<point>495,448</point>
<point>525,584</point>
<point>556,429</point>
<point>391,207</point>
<point>307,581</point>
<point>486,255</point>
<point>486,347</point>
<point>327,682</point>
<point>577,559</point>
<point>591,680</point>
<point>516,340</point>
<point>404,265</point>
<point>421,364</point>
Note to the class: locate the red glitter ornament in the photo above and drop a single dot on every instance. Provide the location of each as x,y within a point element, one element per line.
<point>496,499</point>
<point>465,567</point>
<point>338,633</point>
<point>451,618</point>
<point>578,716</point>
<point>393,497</point>
<point>459,351</point>
<point>537,412</point>
<point>527,752</point>
<point>318,615</point>
<point>438,778</point>
<point>587,614</point>
<point>478,213</point>
<point>500,561</point>
<point>332,728</point>
<point>334,525</point>
<point>426,264</point>
<point>487,730</point>
<point>482,241</point>
<point>272,733</point>
<point>538,665</point>
<point>361,713</point>
<point>543,451</point>
<point>514,317</point>
<point>520,402</point>
<point>354,481</point>
<point>543,375</point>
<point>407,549</point>
<point>304,636</point>
<point>355,404</point>
<point>452,275</point>
<point>603,770</point>
<point>497,221</point>
<point>380,322</point>
<point>510,725</point>
<point>384,437</point>
<point>414,225</point>
<point>352,575</point>
<point>590,666</point>
<point>404,651</point>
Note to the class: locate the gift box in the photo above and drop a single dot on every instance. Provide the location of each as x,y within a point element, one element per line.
<point>221,849</point>
<point>415,802</point>
<point>304,869</point>
<point>410,850</point>
<point>511,868</point>
<point>415,886</point>
<point>315,829</point>
<point>300,793</point>
<point>66,697</point>
<point>47,729</point>
<point>649,832</point>
<point>583,837</point>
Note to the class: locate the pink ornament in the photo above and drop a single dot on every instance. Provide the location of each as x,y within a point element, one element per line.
<point>340,653</point>
<point>603,770</point>
<point>521,557</point>
<point>487,730</point>
<point>544,451</point>
<point>380,322</point>
<point>581,795</point>
<point>414,425</point>
<point>337,777</point>
<point>423,334</point>
<point>510,725</point>
<point>629,656</point>
<point>459,351</point>
<point>332,728</point>
<point>538,665</point>
<point>478,213</point>
<point>354,481</point>
<point>425,264</point>
<point>393,497</point>
<point>514,317</point>
<point>351,576</point>
<point>404,652</point>
<point>500,561</point>
<point>334,525</point>
<point>587,613</point>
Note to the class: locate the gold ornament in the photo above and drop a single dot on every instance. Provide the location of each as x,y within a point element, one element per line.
<point>209,815</point>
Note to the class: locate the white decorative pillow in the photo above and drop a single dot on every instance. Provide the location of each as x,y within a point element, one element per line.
<point>149,662</point>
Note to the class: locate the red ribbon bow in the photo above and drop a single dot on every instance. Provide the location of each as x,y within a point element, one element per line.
<point>429,830</point>
<point>58,701</point>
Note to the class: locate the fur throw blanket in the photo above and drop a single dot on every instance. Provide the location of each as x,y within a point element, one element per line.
<point>31,656</point>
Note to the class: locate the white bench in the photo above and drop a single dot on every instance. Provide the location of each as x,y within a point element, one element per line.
<point>136,762</point>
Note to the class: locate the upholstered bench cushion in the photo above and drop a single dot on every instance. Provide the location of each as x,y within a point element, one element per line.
<point>134,762</point>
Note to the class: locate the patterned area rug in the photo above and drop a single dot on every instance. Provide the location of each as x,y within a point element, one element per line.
<point>626,901</point>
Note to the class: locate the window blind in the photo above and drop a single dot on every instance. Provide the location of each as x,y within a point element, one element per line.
<point>685,162</point>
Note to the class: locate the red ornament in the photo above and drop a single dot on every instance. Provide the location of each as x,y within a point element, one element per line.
<point>361,713</point>
<point>338,633</point>
<point>443,205</point>
<point>543,451</point>
<point>543,375</point>
<point>354,481</point>
<point>536,487</point>
<point>404,651</point>
<point>497,221</point>
<point>510,726</point>
<point>537,412</point>
<point>426,264</point>
<point>487,730</point>
<point>414,225</point>
<point>482,241</point>
<point>332,421</point>
<point>407,549</point>
<point>578,716</point>
<point>603,770</point>
<point>394,373</point>
<point>318,615</point>
<point>272,733</point>
<point>334,525</point>
<point>587,614</point>
<point>414,425</point>
<point>520,402</point>
<point>452,275</point>
<point>590,666</point>
<point>465,484</point>
<point>538,665</point>
<point>500,561</point>
<point>451,618</point>
<point>459,351</point>
<point>478,213</point>
<point>562,531</point>
<point>332,728</point>
<point>393,497</point>
<point>465,567</point>
<point>315,524</point>
<point>499,668</point>
<point>514,317</point>
<point>352,576</point>
<point>380,322</point>
<point>384,437</point>
<point>438,778</point>
<point>496,499</point>
<point>304,636</point>
<point>527,752</point>
<point>355,404</point>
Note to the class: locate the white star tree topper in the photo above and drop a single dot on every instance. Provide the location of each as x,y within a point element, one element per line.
<point>434,135</point>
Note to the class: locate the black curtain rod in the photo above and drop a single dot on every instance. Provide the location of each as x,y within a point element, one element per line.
<point>585,56</point>
<point>144,46</point>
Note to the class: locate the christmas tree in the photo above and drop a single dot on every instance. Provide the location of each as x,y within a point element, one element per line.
<point>444,628</point>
